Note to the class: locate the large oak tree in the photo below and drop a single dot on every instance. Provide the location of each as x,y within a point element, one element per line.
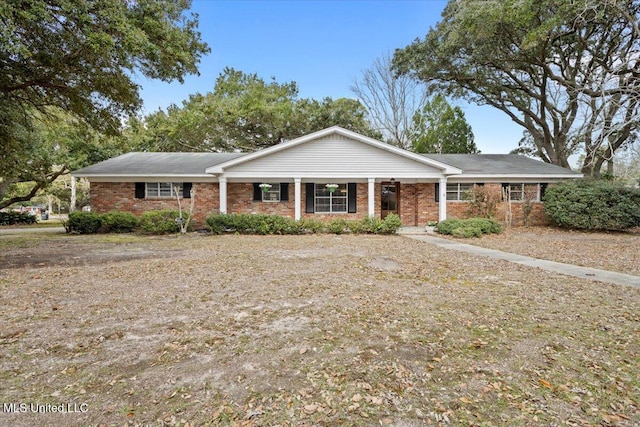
<point>568,72</point>
<point>78,59</point>
<point>243,112</point>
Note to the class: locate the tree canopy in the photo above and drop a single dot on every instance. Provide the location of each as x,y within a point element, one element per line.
<point>567,72</point>
<point>244,113</point>
<point>76,61</point>
<point>441,128</point>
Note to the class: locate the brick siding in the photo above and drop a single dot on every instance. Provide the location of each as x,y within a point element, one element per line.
<point>417,204</point>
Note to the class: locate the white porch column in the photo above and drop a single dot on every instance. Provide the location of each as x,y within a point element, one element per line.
<point>372,196</point>
<point>297,198</point>
<point>442,204</point>
<point>223,195</point>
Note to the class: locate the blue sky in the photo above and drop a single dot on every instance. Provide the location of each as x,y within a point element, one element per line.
<point>321,45</point>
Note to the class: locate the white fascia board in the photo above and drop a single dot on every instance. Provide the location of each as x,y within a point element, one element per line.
<point>238,176</point>
<point>446,169</point>
<point>147,178</point>
<point>513,178</point>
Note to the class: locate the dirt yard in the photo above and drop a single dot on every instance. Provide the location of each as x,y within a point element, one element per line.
<point>305,331</point>
<point>616,251</point>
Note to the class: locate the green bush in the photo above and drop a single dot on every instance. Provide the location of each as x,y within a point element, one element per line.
<point>252,224</point>
<point>311,225</point>
<point>161,222</point>
<point>467,231</point>
<point>472,227</point>
<point>448,225</point>
<point>119,222</point>
<point>337,226</point>
<point>593,205</point>
<point>486,225</point>
<point>390,224</point>
<point>276,224</point>
<point>11,218</point>
<point>83,222</point>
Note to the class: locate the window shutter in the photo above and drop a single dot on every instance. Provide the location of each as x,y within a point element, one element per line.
<point>543,190</point>
<point>352,195</point>
<point>257,192</point>
<point>140,190</point>
<point>284,191</point>
<point>437,196</point>
<point>186,190</point>
<point>310,193</point>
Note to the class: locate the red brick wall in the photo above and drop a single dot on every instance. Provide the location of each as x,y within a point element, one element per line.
<point>417,204</point>
<point>111,196</point>
<point>240,200</point>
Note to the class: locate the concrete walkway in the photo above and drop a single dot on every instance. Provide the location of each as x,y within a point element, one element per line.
<point>555,267</point>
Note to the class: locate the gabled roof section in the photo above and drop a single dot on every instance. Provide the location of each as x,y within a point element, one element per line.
<point>502,165</point>
<point>156,164</point>
<point>334,130</point>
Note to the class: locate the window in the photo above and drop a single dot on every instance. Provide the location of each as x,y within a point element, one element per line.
<point>459,192</point>
<point>523,192</point>
<point>271,194</point>
<point>327,201</point>
<point>163,189</point>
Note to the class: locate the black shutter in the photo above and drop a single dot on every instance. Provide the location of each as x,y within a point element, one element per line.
<point>140,190</point>
<point>311,193</point>
<point>437,196</point>
<point>543,190</point>
<point>186,190</point>
<point>257,192</point>
<point>352,195</point>
<point>284,191</point>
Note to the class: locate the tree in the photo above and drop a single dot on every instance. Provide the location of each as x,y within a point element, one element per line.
<point>567,72</point>
<point>52,146</point>
<point>390,100</point>
<point>441,128</point>
<point>243,113</point>
<point>80,57</point>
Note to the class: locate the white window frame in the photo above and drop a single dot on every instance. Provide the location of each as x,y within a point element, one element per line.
<point>272,195</point>
<point>342,189</point>
<point>159,192</point>
<point>518,189</point>
<point>459,194</point>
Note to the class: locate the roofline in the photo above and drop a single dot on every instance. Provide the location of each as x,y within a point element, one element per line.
<point>147,175</point>
<point>521,176</point>
<point>446,169</point>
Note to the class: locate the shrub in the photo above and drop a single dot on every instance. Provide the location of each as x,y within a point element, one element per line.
<point>467,231</point>
<point>83,223</point>
<point>485,200</point>
<point>486,225</point>
<point>252,224</point>
<point>161,222</point>
<point>370,224</point>
<point>119,222</point>
<point>11,218</point>
<point>593,205</point>
<point>390,224</point>
<point>448,225</point>
<point>472,227</point>
<point>337,226</point>
<point>311,225</point>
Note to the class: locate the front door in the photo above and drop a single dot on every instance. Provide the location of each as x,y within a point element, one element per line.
<point>390,197</point>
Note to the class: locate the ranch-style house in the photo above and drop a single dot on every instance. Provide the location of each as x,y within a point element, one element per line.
<point>329,173</point>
